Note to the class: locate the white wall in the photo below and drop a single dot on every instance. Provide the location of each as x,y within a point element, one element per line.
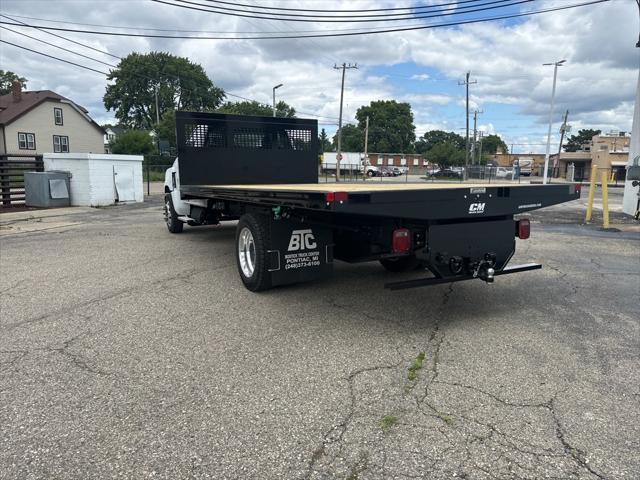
<point>92,181</point>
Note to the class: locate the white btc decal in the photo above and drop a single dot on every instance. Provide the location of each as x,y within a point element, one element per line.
<point>302,240</point>
<point>476,208</point>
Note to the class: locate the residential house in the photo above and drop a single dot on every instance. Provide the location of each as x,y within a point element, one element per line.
<point>37,122</point>
<point>110,136</point>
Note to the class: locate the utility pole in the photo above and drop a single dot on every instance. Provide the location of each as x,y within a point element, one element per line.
<point>475,125</point>
<point>366,145</point>
<point>553,96</point>
<point>157,110</point>
<point>480,154</point>
<point>563,130</point>
<point>344,66</point>
<point>466,156</point>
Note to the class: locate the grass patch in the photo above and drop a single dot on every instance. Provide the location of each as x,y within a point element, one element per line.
<point>415,366</point>
<point>154,176</point>
<point>388,421</point>
<point>448,419</point>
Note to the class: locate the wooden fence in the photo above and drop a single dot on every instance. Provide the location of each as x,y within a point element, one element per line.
<point>12,170</point>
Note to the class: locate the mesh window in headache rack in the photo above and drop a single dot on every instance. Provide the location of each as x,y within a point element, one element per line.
<point>202,136</point>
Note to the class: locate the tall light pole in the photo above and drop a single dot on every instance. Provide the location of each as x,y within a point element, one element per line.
<point>274,98</point>
<point>553,95</point>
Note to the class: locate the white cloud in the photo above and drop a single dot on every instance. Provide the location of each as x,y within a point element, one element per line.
<point>596,85</point>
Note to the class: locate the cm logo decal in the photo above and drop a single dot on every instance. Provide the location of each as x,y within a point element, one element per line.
<point>302,240</point>
<point>476,208</point>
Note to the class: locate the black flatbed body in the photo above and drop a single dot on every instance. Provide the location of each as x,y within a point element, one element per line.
<point>419,201</point>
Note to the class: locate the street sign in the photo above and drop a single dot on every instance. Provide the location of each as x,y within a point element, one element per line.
<point>339,157</point>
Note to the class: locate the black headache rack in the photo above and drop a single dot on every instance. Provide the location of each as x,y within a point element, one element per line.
<point>221,149</point>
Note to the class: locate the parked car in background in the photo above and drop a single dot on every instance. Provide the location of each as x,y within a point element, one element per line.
<point>371,171</point>
<point>446,173</point>
<point>504,172</point>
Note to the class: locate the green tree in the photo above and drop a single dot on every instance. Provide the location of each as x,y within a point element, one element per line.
<point>323,141</point>
<point>251,107</point>
<point>391,128</point>
<point>491,143</point>
<point>433,137</point>
<point>352,138</point>
<point>575,142</point>
<point>6,81</point>
<point>133,142</point>
<point>181,84</point>
<point>446,155</point>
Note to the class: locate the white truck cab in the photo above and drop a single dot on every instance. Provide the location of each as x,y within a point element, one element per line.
<point>178,211</point>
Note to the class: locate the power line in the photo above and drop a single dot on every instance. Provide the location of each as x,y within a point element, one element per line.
<point>318,35</point>
<point>54,58</point>
<point>106,74</point>
<point>416,7</point>
<point>346,18</point>
<point>23,24</point>
<point>58,46</point>
<point>188,4</point>
<point>221,32</point>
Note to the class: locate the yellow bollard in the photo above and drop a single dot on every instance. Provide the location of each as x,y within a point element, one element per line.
<point>592,191</point>
<point>605,201</point>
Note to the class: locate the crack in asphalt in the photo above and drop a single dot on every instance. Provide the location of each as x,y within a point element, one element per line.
<point>457,428</point>
<point>341,428</point>
<point>116,293</point>
<point>76,359</point>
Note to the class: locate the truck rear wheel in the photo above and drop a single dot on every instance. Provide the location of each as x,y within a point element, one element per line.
<point>252,238</point>
<point>400,264</point>
<point>171,216</point>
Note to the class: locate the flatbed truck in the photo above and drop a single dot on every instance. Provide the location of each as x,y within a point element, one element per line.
<point>263,173</point>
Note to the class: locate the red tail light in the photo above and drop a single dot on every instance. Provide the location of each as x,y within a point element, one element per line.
<point>336,196</point>
<point>523,228</point>
<point>401,241</point>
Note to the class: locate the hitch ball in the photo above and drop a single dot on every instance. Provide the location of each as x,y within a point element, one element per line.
<point>490,273</point>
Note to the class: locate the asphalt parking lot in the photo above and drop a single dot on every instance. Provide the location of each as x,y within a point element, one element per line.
<point>128,352</point>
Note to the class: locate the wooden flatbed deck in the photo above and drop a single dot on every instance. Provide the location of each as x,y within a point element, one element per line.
<point>360,187</point>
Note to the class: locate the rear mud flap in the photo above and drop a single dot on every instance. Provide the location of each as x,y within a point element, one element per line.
<point>298,252</point>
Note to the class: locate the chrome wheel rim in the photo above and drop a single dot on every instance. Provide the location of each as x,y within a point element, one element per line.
<point>167,212</point>
<point>246,252</point>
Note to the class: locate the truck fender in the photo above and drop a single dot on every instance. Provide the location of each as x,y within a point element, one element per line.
<point>172,185</point>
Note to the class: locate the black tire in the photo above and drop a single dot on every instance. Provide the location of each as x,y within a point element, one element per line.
<point>170,215</point>
<point>370,173</point>
<point>400,264</point>
<point>258,226</point>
